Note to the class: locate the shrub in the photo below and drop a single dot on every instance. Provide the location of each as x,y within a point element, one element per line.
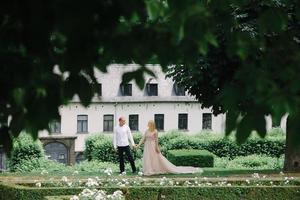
<point>94,166</point>
<point>221,146</point>
<point>255,162</point>
<point>90,144</point>
<point>100,147</point>
<point>25,149</point>
<point>221,162</point>
<point>16,192</point>
<point>165,138</point>
<point>196,158</point>
<point>39,164</point>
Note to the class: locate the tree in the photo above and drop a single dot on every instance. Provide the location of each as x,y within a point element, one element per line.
<point>254,39</point>
<point>252,72</point>
<point>77,37</point>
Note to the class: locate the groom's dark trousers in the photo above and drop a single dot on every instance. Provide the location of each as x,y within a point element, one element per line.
<point>121,151</point>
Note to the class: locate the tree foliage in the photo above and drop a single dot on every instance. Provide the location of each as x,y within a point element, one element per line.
<point>254,69</point>
<point>249,50</point>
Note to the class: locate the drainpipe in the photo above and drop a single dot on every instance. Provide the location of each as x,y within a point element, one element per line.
<point>115,122</point>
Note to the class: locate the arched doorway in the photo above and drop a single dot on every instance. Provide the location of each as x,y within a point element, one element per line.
<point>57,151</point>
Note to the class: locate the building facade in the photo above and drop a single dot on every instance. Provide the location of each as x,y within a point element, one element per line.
<point>161,100</point>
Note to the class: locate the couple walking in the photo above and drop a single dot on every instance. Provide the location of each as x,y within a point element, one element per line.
<point>153,161</point>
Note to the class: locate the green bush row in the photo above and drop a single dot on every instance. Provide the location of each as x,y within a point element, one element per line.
<point>25,151</point>
<point>99,147</point>
<point>250,162</point>
<point>13,192</point>
<point>195,158</point>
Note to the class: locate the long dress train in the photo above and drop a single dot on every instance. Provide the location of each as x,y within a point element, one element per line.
<point>156,163</point>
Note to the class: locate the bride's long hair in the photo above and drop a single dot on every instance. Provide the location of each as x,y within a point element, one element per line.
<point>152,126</point>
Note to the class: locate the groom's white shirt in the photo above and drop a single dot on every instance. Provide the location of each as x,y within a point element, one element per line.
<point>121,136</point>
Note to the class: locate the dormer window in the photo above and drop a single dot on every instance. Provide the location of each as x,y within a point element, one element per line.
<point>152,89</point>
<point>126,89</point>
<point>55,127</point>
<point>179,90</point>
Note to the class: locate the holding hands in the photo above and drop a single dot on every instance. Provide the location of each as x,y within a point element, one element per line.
<point>157,150</point>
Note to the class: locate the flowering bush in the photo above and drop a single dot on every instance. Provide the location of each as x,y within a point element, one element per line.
<point>94,194</point>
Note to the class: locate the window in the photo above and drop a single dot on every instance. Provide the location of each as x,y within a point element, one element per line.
<point>99,89</point>
<point>82,123</point>
<point>108,123</point>
<point>159,121</point>
<point>152,89</point>
<point>182,121</point>
<point>134,122</point>
<point>206,121</point>
<point>275,123</point>
<point>179,90</point>
<point>55,126</point>
<point>126,89</point>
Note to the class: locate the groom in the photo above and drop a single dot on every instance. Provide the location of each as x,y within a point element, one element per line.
<point>121,136</point>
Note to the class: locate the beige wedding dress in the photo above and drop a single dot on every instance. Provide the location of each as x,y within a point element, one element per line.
<point>156,163</point>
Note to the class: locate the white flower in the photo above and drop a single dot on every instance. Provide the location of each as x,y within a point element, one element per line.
<point>162,196</point>
<point>38,184</point>
<point>247,181</point>
<point>74,198</point>
<point>108,171</point>
<point>44,172</point>
<point>140,173</point>
<point>228,184</point>
<point>87,193</point>
<point>281,173</point>
<point>255,175</point>
<point>91,183</point>
<point>75,173</point>
<point>100,195</point>
<point>64,179</point>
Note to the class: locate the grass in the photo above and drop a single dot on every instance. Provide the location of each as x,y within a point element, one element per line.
<point>208,172</point>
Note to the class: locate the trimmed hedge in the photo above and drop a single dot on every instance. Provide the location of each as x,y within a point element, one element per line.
<point>154,193</point>
<point>99,147</point>
<point>62,197</point>
<point>195,158</point>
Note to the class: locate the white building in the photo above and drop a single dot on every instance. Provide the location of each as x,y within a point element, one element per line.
<point>161,100</point>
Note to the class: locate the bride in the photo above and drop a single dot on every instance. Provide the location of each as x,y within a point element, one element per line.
<point>153,161</point>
